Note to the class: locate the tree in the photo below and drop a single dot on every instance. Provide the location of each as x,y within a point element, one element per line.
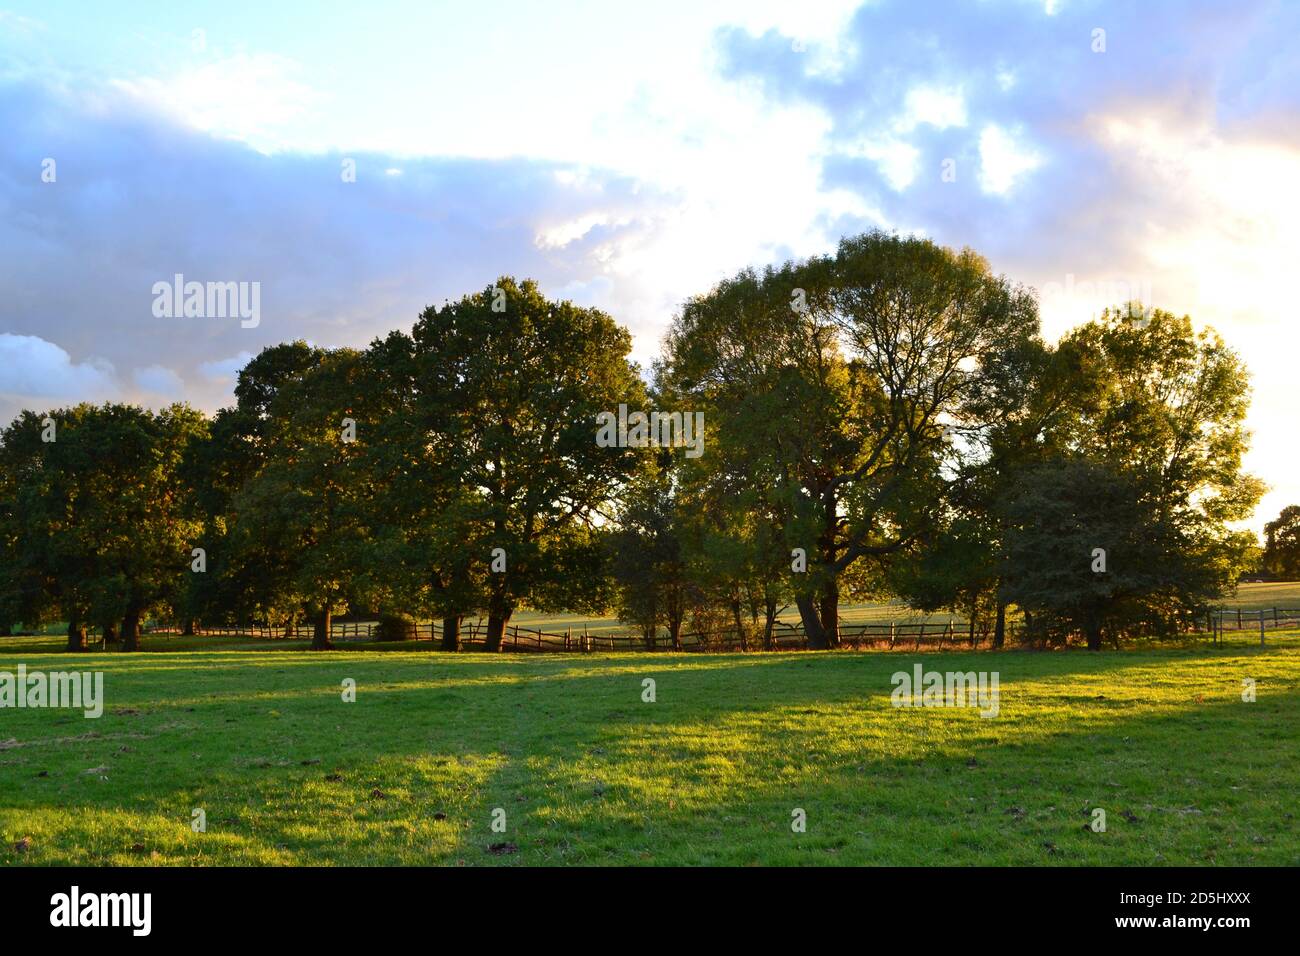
<point>305,504</point>
<point>855,380</point>
<point>426,539</point>
<point>147,545</point>
<point>1089,551</point>
<point>647,559</point>
<point>250,582</point>
<point>97,514</point>
<point>1166,405</point>
<point>1146,453</point>
<point>512,386</point>
<point>27,588</point>
<point>1282,544</point>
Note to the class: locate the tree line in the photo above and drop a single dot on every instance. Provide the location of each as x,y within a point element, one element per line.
<point>885,420</point>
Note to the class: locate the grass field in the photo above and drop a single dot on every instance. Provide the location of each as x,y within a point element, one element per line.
<point>709,773</point>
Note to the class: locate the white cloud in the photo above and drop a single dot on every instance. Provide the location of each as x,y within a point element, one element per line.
<point>898,161</point>
<point>159,380</point>
<point>255,98</point>
<point>940,108</point>
<point>37,369</point>
<point>1004,158</point>
<point>561,235</point>
<point>225,371</point>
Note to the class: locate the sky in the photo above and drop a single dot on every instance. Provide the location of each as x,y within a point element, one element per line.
<point>362,161</point>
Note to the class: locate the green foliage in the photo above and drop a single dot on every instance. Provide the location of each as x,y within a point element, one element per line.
<point>1281,556</point>
<point>848,392</point>
<point>304,507</point>
<point>887,413</point>
<point>507,409</point>
<point>96,521</point>
<point>647,557</point>
<point>1089,551</point>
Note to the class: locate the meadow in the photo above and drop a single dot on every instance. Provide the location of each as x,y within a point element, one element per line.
<point>565,752</point>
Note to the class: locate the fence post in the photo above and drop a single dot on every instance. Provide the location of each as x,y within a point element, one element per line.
<point>1261,628</point>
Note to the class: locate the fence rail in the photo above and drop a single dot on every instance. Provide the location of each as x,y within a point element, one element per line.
<point>785,636</point>
<point>524,639</point>
<point>1262,620</point>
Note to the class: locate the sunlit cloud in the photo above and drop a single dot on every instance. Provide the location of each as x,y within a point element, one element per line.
<point>1004,160</point>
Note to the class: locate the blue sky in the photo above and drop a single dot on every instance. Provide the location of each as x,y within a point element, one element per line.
<point>627,158</point>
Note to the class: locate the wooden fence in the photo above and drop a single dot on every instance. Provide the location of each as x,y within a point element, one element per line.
<point>1224,619</point>
<point>525,639</point>
<point>913,635</point>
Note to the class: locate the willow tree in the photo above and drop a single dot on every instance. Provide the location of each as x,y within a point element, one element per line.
<point>849,391</point>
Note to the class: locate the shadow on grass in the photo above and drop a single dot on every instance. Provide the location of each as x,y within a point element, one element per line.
<point>585,771</point>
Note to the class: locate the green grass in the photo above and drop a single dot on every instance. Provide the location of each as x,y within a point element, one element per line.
<point>710,773</point>
<point>1254,597</point>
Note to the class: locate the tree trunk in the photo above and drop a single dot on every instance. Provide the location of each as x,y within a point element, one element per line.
<point>6,630</point>
<point>812,625</point>
<point>769,626</point>
<point>1093,632</point>
<point>320,636</point>
<point>189,627</point>
<point>131,629</point>
<point>110,632</point>
<point>76,636</point>
<point>830,612</point>
<point>675,631</point>
<point>451,632</point>
<point>740,625</point>
<point>498,617</point>
<point>496,630</point>
<point>1000,626</point>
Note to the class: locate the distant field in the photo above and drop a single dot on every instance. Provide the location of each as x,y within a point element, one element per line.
<point>709,773</point>
<point>1254,597</point>
<point>1248,597</point>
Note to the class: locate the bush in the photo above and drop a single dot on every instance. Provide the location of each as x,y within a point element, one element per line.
<point>395,627</point>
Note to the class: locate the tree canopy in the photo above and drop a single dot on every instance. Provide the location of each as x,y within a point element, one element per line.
<point>883,420</point>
